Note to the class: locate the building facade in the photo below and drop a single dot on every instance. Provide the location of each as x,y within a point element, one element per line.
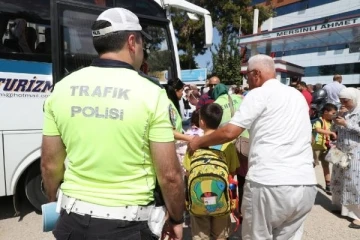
<point>322,36</point>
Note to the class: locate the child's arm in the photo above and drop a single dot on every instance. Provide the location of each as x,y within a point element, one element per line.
<point>325,132</point>
<point>182,137</point>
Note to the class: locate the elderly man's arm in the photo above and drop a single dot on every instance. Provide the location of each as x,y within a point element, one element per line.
<point>169,175</point>
<point>53,156</point>
<point>222,135</point>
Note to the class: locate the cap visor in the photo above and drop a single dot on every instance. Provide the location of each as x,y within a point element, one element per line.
<point>146,35</point>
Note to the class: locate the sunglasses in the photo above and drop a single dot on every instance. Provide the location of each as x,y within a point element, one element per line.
<point>247,73</point>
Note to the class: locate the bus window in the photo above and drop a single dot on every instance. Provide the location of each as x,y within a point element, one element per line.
<point>78,50</point>
<point>100,3</point>
<point>25,34</point>
<point>143,7</point>
<point>159,57</point>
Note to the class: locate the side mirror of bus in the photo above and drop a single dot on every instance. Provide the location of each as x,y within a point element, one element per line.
<point>208,27</point>
<point>192,16</point>
<point>208,31</point>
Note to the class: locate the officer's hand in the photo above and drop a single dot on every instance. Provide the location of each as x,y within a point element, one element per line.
<point>194,144</point>
<point>172,232</point>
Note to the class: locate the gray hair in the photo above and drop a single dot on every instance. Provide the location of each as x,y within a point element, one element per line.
<point>262,62</point>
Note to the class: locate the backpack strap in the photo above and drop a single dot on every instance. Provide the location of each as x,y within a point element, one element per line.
<point>326,136</point>
<point>231,105</point>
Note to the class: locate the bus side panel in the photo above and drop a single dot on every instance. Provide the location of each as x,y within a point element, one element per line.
<point>2,172</point>
<point>19,148</point>
<point>24,86</point>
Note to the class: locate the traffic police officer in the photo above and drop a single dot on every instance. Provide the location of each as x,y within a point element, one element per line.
<point>112,125</point>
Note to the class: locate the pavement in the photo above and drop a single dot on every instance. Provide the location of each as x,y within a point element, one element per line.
<point>321,223</point>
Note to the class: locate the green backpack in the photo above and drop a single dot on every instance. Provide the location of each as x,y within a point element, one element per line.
<point>208,183</point>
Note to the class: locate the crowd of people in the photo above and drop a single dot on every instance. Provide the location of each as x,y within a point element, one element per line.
<point>335,116</point>
<point>132,172</point>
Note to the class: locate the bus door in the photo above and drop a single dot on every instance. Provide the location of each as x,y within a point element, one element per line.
<point>72,46</point>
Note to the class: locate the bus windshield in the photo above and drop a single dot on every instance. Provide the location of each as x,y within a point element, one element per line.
<point>78,50</point>
<point>26,34</point>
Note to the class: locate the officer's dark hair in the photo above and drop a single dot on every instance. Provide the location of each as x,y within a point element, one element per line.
<point>211,114</point>
<point>329,107</point>
<point>171,87</point>
<point>111,42</point>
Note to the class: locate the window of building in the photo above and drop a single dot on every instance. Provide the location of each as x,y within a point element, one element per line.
<point>254,2</point>
<point>315,3</point>
<point>290,8</point>
<point>321,20</point>
<point>301,5</point>
<point>328,70</point>
<point>311,50</point>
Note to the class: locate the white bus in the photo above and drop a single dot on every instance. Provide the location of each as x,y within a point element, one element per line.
<point>41,42</point>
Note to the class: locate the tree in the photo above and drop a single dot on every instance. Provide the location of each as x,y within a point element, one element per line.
<point>226,14</point>
<point>187,61</point>
<point>226,17</point>
<point>226,60</point>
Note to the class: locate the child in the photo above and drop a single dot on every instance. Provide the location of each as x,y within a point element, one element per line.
<point>206,227</point>
<point>194,130</point>
<point>322,137</point>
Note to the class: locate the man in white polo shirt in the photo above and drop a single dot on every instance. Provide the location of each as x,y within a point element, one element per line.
<point>280,185</point>
<point>333,89</point>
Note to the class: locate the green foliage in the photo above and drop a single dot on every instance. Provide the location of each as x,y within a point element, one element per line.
<point>226,19</point>
<point>226,14</point>
<point>187,61</point>
<point>227,60</point>
<point>159,60</point>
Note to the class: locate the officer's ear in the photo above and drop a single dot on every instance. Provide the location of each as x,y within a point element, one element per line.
<point>131,42</point>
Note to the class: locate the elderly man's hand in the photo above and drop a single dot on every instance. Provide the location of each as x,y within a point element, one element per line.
<point>340,121</point>
<point>343,110</point>
<point>194,144</point>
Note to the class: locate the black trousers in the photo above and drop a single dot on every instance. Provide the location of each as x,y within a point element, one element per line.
<point>76,227</point>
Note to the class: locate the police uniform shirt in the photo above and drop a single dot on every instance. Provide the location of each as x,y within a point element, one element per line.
<point>106,115</point>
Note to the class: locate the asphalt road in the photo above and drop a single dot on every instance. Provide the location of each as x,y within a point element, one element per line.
<point>321,223</point>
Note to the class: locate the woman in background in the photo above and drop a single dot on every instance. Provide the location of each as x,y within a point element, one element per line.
<point>174,90</point>
<point>345,182</point>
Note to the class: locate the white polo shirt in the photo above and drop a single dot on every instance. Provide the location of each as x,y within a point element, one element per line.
<point>280,135</point>
<point>333,89</point>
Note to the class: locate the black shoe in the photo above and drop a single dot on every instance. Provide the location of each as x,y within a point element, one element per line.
<point>336,211</point>
<point>353,225</point>
<point>327,190</point>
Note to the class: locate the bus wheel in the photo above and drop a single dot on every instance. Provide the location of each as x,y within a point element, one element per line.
<point>34,187</point>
